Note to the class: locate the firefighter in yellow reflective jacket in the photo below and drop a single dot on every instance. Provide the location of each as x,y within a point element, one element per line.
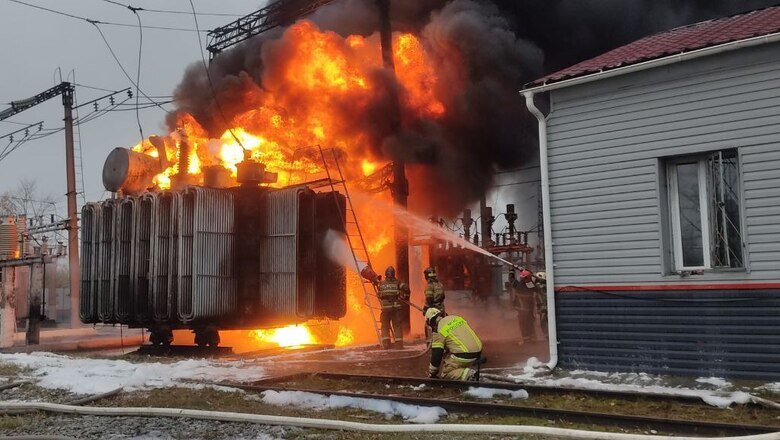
<point>434,291</point>
<point>455,348</point>
<point>391,293</point>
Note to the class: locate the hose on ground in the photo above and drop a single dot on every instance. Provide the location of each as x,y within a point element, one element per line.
<point>36,437</point>
<point>8,386</point>
<point>94,397</point>
<point>342,425</point>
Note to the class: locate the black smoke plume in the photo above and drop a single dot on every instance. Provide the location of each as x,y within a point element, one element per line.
<point>500,44</point>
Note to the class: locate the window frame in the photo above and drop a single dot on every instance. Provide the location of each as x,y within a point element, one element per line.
<point>670,201</point>
<point>674,201</point>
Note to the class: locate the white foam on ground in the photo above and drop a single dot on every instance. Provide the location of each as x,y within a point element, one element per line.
<point>535,372</point>
<point>773,387</point>
<point>489,393</point>
<point>714,381</point>
<point>410,413</point>
<point>92,376</point>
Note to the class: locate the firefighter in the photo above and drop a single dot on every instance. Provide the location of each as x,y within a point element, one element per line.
<point>455,347</point>
<point>523,301</point>
<point>434,291</point>
<point>391,293</point>
<point>540,299</point>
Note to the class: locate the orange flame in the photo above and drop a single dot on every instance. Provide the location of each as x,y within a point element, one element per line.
<point>294,112</point>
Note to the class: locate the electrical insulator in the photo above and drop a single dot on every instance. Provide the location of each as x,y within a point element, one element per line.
<point>111,99</point>
<point>95,105</point>
<point>26,132</point>
<point>11,138</point>
<point>40,126</point>
<point>129,93</point>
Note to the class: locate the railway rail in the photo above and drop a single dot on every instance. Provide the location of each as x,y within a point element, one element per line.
<point>625,421</point>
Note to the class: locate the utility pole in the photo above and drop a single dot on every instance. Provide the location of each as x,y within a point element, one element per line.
<point>66,90</point>
<point>73,220</point>
<point>400,186</point>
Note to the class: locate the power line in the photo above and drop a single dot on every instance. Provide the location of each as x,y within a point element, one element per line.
<point>14,122</point>
<point>119,63</point>
<point>138,72</point>
<point>41,133</point>
<point>208,76</point>
<point>109,23</point>
<point>102,89</point>
<point>164,11</point>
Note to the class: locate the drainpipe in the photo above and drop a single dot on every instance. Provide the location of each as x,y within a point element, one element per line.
<point>552,327</point>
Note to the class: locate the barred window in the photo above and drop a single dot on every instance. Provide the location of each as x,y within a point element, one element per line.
<point>704,198</point>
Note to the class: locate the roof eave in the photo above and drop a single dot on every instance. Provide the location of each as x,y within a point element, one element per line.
<point>656,62</point>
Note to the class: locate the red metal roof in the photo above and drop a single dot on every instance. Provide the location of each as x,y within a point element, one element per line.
<point>683,39</point>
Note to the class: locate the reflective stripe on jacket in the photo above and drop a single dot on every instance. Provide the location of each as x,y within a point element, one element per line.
<point>390,291</point>
<point>455,335</point>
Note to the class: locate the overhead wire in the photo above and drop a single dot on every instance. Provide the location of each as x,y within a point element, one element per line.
<point>43,133</point>
<point>138,71</point>
<point>122,67</point>
<point>108,23</point>
<point>211,83</point>
<point>135,10</point>
<point>165,11</point>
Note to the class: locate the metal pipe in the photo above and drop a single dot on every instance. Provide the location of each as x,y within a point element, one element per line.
<point>547,227</point>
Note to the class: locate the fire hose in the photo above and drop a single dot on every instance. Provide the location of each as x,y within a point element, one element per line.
<point>343,425</point>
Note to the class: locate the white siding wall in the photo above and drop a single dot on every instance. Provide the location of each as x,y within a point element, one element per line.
<point>605,142</point>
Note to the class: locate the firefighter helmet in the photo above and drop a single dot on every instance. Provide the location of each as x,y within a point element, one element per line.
<point>390,273</point>
<point>430,273</point>
<point>525,274</point>
<point>431,314</point>
<point>541,275</point>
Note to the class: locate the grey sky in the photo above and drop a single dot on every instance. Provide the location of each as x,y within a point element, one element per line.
<point>36,42</point>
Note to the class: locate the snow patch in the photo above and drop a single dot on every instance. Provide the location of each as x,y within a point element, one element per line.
<point>533,366</point>
<point>489,393</point>
<point>773,387</point>
<point>410,413</point>
<point>714,381</point>
<point>631,382</point>
<point>93,376</point>
<point>727,400</point>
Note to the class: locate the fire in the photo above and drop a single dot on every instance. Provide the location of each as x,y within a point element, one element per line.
<point>316,79</point>
<point>368,167</point>
<point>290,336</point>
<point>293,114</point>
<point>304,334</point>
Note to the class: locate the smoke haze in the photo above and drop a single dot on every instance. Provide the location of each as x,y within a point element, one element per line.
<point>483,52</point>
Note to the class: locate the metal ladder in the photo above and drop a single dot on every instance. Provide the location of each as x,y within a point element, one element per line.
<point>355,240</point>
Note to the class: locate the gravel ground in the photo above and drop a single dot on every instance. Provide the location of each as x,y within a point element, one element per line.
<point>93,427</point>
<point>32,393</point>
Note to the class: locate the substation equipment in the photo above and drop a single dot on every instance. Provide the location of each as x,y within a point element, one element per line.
<point>208,258</point>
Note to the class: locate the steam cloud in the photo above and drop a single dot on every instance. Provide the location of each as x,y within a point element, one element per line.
<point>499,44</point>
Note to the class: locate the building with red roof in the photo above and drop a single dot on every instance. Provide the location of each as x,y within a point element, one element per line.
<point>660,165</point>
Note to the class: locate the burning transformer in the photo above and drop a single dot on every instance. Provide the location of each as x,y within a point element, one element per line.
<point>221,256</point>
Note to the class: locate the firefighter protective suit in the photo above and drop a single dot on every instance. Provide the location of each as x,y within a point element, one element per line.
<point>391,292</point>
<point>434,295</point>
<point>540,298</point>
<point>455,348</point>
<point>524,301</point>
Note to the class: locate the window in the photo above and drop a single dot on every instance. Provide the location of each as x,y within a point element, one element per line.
<point>705,211</point>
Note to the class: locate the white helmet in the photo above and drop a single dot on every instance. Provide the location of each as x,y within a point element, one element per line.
<point>541,275</point>
<point>431,313</point>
